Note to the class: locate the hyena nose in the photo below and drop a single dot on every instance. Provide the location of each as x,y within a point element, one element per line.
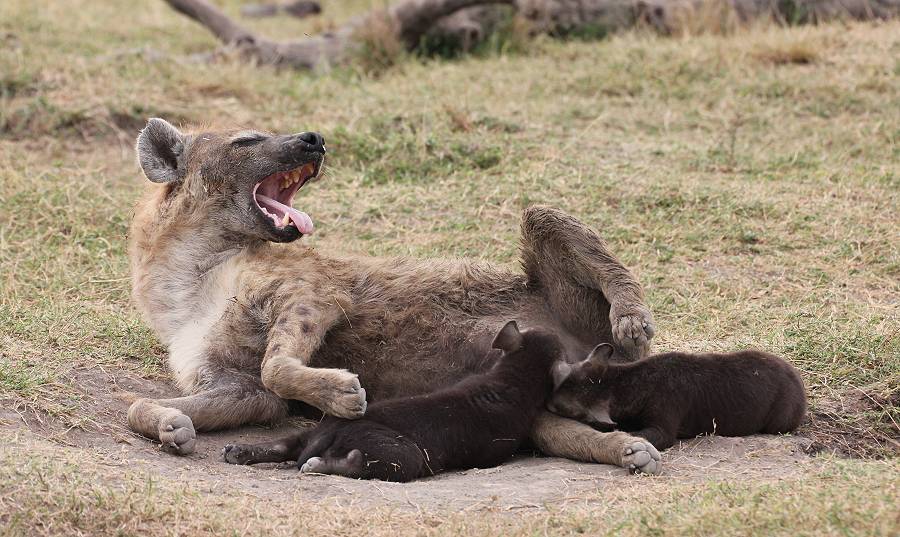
<point>314,139</point>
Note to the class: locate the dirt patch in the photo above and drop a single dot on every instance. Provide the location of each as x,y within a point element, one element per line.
<point>526,482</point>
<point>861,423</point>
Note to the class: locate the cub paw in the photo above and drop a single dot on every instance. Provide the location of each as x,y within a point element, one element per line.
<point>237,453</point>
<point>641,457</point>
<point>315,465</point>
<point>176,433</point>
<point>632,329</point>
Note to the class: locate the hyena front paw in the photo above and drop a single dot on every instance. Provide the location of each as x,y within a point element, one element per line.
<point>176,432</point>
<point>343,396</point>
<point>632,329</point>
<point>641,457</point>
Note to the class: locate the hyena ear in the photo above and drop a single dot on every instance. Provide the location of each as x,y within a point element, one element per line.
<point>561,371</point>
<point>159,150</point>
<point>599,357</point>
<point>508,339</point>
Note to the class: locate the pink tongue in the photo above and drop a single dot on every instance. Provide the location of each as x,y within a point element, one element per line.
<point>300,219</point>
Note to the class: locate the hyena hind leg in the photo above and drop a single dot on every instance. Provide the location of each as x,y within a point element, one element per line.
<point>229,400</point>
<point>585,285</point>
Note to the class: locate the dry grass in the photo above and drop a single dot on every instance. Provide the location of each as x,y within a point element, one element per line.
<point>751,180</point>
<point>797,52</point>
<point>54,492</point>
<point>379,48</point>
<point>861,422</point>
<point>800,47</point>
<point>706,17</point>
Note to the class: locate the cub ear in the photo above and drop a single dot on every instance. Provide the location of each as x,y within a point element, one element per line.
<point>599,357</point>
<point>508,339</point>
<point>561,371</point>
<point>159,148</point>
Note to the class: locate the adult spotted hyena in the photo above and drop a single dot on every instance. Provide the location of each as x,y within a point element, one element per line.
<point>253,319</point>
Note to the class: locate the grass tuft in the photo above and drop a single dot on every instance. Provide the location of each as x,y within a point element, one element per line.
<point>789,50</point>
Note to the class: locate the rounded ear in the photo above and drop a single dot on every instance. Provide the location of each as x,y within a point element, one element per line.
<point>561,371</point>
<point>159,150</point>
<point>509,338</point>
<point>599,357</point>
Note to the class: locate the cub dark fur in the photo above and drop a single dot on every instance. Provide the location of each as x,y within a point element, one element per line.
<point>680,395</point>
<point>478,422</point>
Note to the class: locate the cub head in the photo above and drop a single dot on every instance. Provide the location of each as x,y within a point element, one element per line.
<point>535,345</point>
<point>580,392</point>
<point>242,182</point>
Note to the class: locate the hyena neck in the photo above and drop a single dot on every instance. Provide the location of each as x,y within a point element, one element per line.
<point>181,270</point>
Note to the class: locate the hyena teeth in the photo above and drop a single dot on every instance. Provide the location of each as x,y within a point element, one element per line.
<point>286,220</point>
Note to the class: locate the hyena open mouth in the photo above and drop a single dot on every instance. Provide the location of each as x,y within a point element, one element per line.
<point>274,197</point>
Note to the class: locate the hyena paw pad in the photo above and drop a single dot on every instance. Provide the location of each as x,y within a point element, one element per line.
<point>633,328</point>
<point>236,453</point>
<point>348,398</point>
<point>641,457</point>
<point>176,433</point>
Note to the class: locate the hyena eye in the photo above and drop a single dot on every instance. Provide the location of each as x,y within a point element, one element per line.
<point>247,139</point>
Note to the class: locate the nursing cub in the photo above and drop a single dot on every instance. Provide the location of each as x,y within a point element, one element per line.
<point>679,395</point>
<point>478,422</point>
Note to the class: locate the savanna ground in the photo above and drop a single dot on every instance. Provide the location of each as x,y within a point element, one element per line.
<point>751,181</point>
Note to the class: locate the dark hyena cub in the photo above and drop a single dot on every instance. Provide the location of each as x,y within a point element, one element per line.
<point>679,395</point>
<point>477,423</point>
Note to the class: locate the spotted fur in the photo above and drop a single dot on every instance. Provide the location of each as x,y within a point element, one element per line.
<point>253,319</point>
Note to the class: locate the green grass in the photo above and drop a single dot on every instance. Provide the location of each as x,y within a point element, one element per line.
<point>752,181</point>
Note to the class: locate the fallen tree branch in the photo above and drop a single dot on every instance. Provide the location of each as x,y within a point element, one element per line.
<point>408,22</point>
<point>297,8</point>
<point>226,30</point>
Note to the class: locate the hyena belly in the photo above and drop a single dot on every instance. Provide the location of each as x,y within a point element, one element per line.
<point>403,336</point>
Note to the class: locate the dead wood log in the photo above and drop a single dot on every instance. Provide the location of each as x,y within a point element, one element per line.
<point>409,21</point>
<point>562,17</point>
<point>406,22</point>
<point>297,8</point>
<point>675,16</point>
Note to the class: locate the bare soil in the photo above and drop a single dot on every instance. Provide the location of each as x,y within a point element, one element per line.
<point>527,482</point>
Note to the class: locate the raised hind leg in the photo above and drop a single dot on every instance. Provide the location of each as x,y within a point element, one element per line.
<point>585,286</point>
